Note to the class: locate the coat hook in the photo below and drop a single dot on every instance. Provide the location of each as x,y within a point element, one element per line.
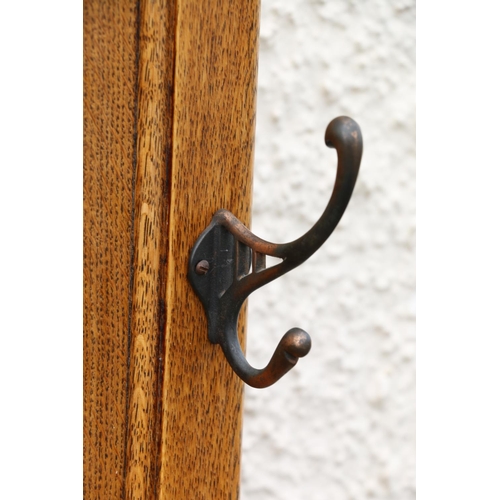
<point>228,263</point>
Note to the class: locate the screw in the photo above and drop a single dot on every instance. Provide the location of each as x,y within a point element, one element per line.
<point>202,267</point>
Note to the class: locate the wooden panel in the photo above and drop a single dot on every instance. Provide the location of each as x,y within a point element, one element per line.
<point>152,193</point>
<point>214,121</point>
<point>169,129</point>
<point>109,117</point>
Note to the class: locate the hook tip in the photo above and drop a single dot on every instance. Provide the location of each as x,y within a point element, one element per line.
<point>342,129</point>
<point>296,342</point>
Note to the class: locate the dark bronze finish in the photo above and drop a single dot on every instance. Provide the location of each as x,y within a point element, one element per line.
<point>236,264</point>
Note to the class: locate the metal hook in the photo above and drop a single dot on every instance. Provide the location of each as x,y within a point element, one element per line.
<point>228,263</point>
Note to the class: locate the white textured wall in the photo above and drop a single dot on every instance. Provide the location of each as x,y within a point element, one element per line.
<point>341,424</point>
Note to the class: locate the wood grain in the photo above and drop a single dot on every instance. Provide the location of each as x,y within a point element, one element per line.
<point>109,122</point>
<point>169,130</point>
<point>152,193</point>
<point>213,140</point>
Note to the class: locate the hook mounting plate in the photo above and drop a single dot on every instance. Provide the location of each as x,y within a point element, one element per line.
<point>225,260</point>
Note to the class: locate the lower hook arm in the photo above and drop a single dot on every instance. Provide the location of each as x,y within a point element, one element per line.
<point>295,344</point>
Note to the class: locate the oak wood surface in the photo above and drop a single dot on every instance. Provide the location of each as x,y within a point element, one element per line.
<point>110,53</point>
<point>213,139</point>
<point>169,128</point>
<point>152,193</point>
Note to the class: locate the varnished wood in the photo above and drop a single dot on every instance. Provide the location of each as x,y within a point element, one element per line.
<point>152,193</point>
<point>169,129</point>
<point>109,127</point>
<point>214,121</point>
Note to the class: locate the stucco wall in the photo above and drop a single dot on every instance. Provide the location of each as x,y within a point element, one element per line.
<point>341,424</point>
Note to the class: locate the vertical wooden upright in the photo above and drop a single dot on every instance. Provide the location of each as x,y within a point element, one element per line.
<point>110,101</point>
<point>169,119</point>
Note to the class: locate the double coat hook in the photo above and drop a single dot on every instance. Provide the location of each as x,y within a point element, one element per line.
<point>228,263</point>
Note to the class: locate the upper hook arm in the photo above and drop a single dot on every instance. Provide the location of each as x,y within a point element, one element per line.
<point>344,135</point>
